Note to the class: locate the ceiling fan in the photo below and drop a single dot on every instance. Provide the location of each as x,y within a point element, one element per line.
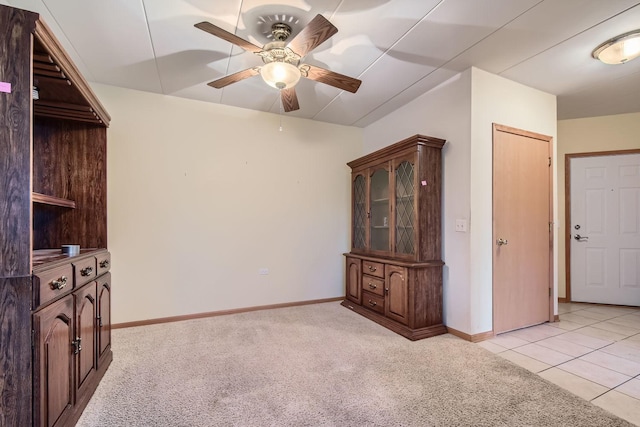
<point>282,68</point>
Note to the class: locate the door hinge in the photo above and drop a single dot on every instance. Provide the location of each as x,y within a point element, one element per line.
<point>550,292</point>
<point>99,319</point>
<point>549,161</point>
<point>550,227</point>
<point>33,338</point>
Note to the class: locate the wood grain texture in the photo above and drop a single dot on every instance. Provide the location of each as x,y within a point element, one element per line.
<point>15,352</point>
<point>289,99</point>
<point>15,162</point>
<point>330,78</point>
<point>46,44</point>
<point>70,163</point>
<point>316,32</point>
<point>233,78</point>
<point>230,37</point>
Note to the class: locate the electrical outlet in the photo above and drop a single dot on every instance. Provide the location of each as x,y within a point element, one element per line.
<point>263,271</point>
<point>461,225</point>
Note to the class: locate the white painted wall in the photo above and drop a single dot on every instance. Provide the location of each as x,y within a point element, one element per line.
<point>201,196</point>
<point>462,111</point>
<point>595,134</point>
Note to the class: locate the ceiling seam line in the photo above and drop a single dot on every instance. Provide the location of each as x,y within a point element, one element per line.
<point>446,62</point>
<point>569,38</point>
<point>153,48</point>
<point>382,55</point>
<point>231,51</point>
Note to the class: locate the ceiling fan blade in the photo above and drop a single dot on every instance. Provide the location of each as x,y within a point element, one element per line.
<point>289,99</point>
<point>330,78</point>
<point>233,78</point>
<point>313,35</point>
<point>230,37</point>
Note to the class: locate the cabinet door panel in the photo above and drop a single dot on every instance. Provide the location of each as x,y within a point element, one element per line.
<point>104,314</point>
<point>359,214</point>
<point>353,279</point>
<point>397,299</point>
<point>379,208</point>
<point>54,363</point>
<point>86,309</point>
<point>405,210</point>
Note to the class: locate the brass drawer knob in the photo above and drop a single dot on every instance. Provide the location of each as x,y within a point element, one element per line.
<point>104,264</point>
<point>86,271</point>
<point>60,283</point>
<point>372,268</point>
<point>372,303</point>
<point>372,286</point>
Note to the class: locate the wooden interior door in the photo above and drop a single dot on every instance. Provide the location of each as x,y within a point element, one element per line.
<point>522,236</point>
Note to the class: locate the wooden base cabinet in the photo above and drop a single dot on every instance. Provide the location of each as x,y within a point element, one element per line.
<point>407,300</point>
<point>72,336</point>
<point>394,270</point>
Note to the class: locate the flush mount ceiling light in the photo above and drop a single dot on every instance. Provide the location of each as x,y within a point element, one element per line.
<point>620,49</point>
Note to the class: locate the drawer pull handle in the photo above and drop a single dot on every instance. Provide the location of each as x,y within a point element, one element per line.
<point>86,271</point>
<point>372,286</point>
<point>60,283</point>
<point>104,264</point>
<point>372,303</point>
<point>372,268</point>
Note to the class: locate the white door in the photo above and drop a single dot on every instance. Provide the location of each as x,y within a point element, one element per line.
<point>605,229</point>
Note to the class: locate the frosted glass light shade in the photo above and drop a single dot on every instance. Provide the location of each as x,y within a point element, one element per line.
<point>619,49</point>
<point>280,75</point>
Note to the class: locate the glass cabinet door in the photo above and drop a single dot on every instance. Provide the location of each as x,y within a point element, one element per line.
<point>379,214</point>
<point>404,213</point>
<point>359,213</point>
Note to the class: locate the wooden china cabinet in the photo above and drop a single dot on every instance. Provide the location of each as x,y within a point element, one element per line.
<point>55,327</point>
<point>394,269</point>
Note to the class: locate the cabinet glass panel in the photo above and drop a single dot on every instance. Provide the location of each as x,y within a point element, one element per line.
<point>359,212</point>
<point>404,219</point>
<point>379,221</point>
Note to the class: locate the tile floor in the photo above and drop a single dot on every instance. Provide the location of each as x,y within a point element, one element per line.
<point>593,351</point>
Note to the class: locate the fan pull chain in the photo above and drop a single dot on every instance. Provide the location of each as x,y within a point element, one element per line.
<point>281,107</point>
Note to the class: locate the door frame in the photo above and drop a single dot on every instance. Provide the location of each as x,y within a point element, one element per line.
<point>567,209</point>
<point>549,139</point>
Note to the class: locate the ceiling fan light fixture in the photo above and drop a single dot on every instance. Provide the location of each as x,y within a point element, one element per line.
<point>280,75</point>
<point>620,49</point>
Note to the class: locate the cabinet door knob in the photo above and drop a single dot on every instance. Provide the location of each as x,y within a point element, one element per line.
<point>60,283</point>
<point>86,271</point>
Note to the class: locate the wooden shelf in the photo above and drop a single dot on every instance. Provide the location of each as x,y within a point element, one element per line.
<point>52,200</point>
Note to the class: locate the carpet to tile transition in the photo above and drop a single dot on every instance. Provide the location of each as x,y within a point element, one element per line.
<point>318,365</point>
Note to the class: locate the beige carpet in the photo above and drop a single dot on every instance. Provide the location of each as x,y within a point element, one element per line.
<point>318,365</point>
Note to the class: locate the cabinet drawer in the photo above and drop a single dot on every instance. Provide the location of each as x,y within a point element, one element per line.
<point>373,302</point>
<point>373,284</point>
<point>103,262</point>
<point>84,270</point>
<point>373,268</point>
<point>51,283</point>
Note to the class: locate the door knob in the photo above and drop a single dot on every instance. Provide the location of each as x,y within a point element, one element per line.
<point>580,238</point>
<point>501,242</point>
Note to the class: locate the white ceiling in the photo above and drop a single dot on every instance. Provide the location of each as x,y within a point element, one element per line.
<point>400,49</point>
